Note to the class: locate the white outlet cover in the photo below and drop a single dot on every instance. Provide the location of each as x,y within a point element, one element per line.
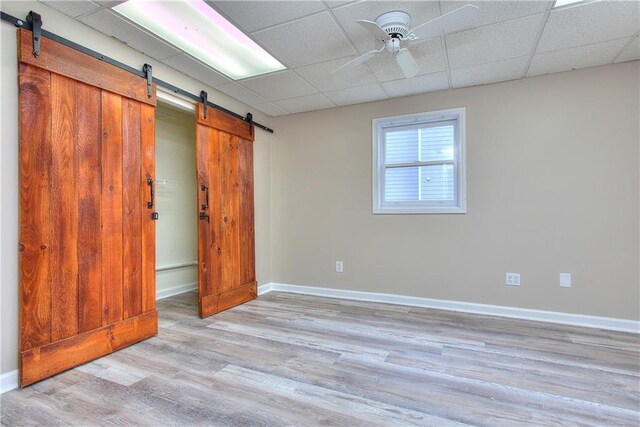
<point>512,279</point>
<point>339,267</point>
<point>565,280</point>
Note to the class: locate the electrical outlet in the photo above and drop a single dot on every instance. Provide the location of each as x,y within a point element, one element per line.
<point>512,279</point>
<point>565,280</point>
<point>339,267</point>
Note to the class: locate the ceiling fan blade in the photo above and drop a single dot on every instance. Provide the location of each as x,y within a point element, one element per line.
<point>448,22</point>
<point>359,60</point>
<point>374,29</point>
<point>407,64</point>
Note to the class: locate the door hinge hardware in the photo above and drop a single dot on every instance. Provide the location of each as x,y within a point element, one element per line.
<point>36,24</point>
<point>203,98</point>
<point>204,216</point>
<point>249,118</point>
<point>148,72</point>
<point>154,216</point>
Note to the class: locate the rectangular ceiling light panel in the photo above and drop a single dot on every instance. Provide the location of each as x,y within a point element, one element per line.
<point>197,29</point>
<point>561,3</point>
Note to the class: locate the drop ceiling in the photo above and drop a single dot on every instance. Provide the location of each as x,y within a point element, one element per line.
<point>507,40</point>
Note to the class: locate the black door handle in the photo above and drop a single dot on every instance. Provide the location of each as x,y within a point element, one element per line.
<point>204,216</point>
<point>151,191</point>
<point>205,205</point>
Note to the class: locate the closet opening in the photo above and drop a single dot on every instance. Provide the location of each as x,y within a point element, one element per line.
<point>176,199</point>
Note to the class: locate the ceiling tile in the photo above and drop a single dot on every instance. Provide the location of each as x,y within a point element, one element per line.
<point>631,52</point>
<point>589,23</point>
<point>271,109</point>
<point>420,11</point>
<point>428,54</point>
<point>194,68</point>
<point>72,8</point>
<point>575,58</point>
<point>321,77</point>
<point>338,3</point>
<point>255,15</point>
<point>307,41</point>
<point>305,103</point>
<point>280,85</point>
<point>242,94</point>
<point>357,95</point>
<point>493,42</point>
<point>113,25</point>
<point>420,84</point>
<point>500,71</point>
<point>492,12</point>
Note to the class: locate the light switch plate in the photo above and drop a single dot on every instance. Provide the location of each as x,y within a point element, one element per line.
<point>565,280</point>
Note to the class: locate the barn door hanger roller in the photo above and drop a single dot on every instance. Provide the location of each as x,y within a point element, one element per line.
<point>36,25</point>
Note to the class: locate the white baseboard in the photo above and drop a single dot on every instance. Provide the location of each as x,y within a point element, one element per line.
<point>8,381</point>
<point>187,287</point>
<point>266,288</point>
<point>608,323</point>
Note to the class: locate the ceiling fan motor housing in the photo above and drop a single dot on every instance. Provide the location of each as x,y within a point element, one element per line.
<point>395,23</point>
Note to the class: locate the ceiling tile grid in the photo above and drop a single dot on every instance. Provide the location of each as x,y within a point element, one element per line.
<point>589,23</point>
<point>357,95</point>
<point>576,57</point>
<point>416,85</point>
<point>255,15</point>
<point>305,41</point>
<point>241,93</point>
<point>305,103</point>
<point>194,68</point>
<point>631,51</point>
<point>279,85</point>
<point>509,39</point>
<point>500,71</point>
<point>113,25</point>
<point>493,42</point>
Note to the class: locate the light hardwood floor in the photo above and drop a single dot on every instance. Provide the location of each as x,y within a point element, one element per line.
<point>288,359</point>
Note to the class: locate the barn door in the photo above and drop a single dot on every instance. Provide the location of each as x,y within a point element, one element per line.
<point>226,248</point>
<point>87,238</point>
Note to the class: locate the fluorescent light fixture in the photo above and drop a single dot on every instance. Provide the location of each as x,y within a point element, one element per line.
<point>561,3</point>
<point>197,29</point>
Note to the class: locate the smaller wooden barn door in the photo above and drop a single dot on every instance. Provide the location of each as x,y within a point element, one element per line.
<point>226,248</point>
<point>87,238</point>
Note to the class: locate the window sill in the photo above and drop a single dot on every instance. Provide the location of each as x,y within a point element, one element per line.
<point>419,211</point>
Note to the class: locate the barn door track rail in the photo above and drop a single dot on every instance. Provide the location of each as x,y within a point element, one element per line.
<point>33,23</point>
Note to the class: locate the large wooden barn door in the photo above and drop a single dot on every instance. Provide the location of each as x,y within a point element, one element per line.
<point>226,248</point>
<point>87,237</point>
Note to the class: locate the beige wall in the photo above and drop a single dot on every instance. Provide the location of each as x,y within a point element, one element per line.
<point>73,30</point>
<point>176,233</point>
<point>552,184</point>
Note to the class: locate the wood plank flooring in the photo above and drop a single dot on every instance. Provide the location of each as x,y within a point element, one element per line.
<point>287,359</point>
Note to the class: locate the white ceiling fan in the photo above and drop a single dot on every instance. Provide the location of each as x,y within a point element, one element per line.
<point>393,30</point>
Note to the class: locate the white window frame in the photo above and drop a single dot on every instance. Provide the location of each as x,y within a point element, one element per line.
<point>380,206</point>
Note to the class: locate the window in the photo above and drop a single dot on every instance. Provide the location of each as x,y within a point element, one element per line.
<point>418,163</point>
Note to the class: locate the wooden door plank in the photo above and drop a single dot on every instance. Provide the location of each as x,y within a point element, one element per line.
<point>216,211</point>
<point>50,359</point>
<point>220,301</point>
<point>148,250</point>
<point>89,149</point>
<point>69,62</point>
<point>64,195</point>
<point>219,120</point>
<point>111,208</point>
<point>246,226</point>
<point>35,212</point>
<point>205,237</point>
<point>131,209</point>
<point>230,199</point>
